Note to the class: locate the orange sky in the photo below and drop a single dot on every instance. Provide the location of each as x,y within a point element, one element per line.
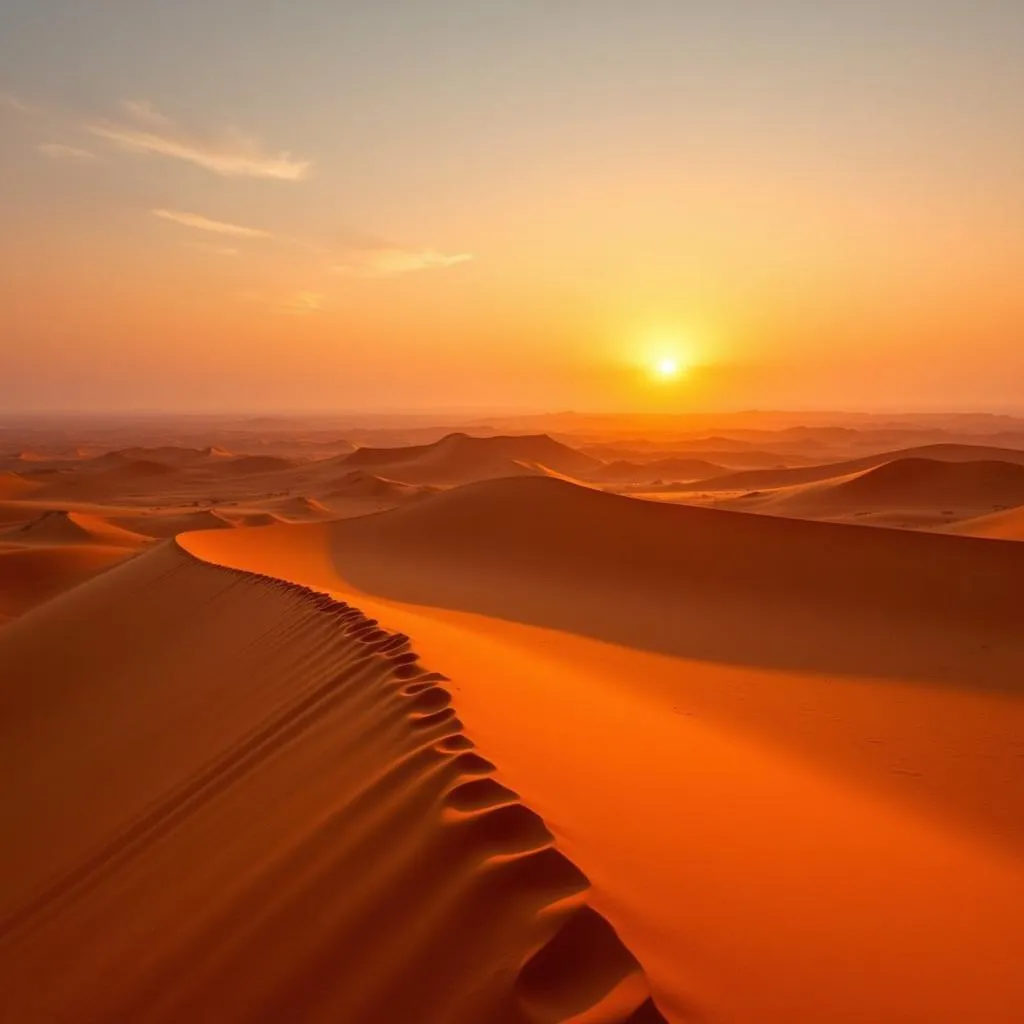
<point>436,205</point>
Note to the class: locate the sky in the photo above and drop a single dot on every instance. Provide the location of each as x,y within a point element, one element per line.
<point>521,204</point>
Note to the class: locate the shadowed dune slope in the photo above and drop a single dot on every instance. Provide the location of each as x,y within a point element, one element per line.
<point>34,574</point>
<point>233,799</point>
<point>544,533</point>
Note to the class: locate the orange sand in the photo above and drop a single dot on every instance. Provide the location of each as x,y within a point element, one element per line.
<point>787,754</point>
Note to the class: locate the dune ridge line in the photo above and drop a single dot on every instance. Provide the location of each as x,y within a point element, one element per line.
<point>418,888</point>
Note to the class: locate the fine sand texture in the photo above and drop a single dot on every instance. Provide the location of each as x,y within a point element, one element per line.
<point>230,799</point>
<point>786,753</point>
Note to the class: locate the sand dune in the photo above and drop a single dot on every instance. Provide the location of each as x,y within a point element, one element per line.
<point>459,458</point>
<point>1005,525</point>
<point>775,478</point>
<point>778,748</point>
<point>12,485</point>
<point>361,484</point>
<point>905,492</point>
<point>250,465</point>
<point>251,518</point>
<point>163,524</point>
<point>30,576</point>
<point>169,455</point>
<point>285,822</point>
<point>673,469</point>
<point>929,482</point>
<point>301,508</point>
<point>58,527</point>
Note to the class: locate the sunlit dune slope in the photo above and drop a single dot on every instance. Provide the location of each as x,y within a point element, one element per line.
<point>230,799</point>
<point>786,753</point>
<point>1005,525</point>
<point>459,458</point>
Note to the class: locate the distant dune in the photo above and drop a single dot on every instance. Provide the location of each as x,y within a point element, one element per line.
<point>164,524</point>
<point>13,485</point>
<point>362,484</point>
<point>770,479</point>
<point>459,458</point>
<point>249,465</point>
<point>302,508</point>
<point>59,527</point>
<point>917,481</point>
<point>665,470</point>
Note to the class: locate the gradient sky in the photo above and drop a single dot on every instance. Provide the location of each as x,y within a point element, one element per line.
<point>330,204</point>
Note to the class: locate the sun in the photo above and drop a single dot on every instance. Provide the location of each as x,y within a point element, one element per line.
<point>667,368</point>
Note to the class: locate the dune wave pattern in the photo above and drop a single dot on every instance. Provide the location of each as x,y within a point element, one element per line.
<point>236,799</point>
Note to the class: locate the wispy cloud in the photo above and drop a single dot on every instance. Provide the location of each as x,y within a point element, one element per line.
<point>232,156</point>
<point>58,151</point>
<point>143,110</point>
<point>201,223</point>
<point>8,101</point>
<point>390,261</point>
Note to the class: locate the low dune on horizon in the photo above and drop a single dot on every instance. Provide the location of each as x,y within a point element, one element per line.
<point>473,724</point>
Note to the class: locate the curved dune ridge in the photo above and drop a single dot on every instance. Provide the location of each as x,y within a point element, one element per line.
<point>58,527</point>
<point>163,525</point>
<point>786,752</point>
<point>258,805</point>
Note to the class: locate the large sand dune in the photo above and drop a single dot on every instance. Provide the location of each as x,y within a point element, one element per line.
<point>231,799</point>
<point>786,753</point>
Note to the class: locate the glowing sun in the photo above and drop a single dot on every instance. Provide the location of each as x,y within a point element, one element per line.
<point>668,368</point>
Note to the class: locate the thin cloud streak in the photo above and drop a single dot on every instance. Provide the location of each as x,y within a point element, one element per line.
<point>11,102</point>
<point>391,261</point>
<point>234,156</point>
<point>58,151</point>
<point>201,223</point>
<point>143,110</point>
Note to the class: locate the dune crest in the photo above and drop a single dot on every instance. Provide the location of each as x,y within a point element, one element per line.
<point>286,822</point>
